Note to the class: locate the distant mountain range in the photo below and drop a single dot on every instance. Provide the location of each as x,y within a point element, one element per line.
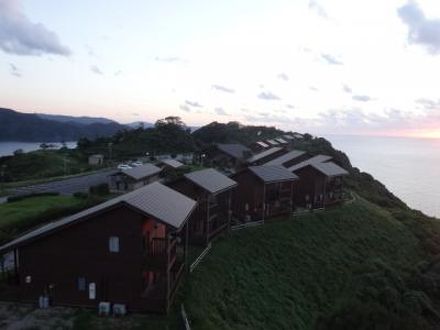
<point>32,127</point>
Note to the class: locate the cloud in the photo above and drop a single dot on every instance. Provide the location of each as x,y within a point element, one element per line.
<point>193,104</point>
<point>14,70</point>
<point>171,59</point>
<point>20,36</point>
<point>95,69</point>
<point>361,98</point>
<point>118,73</point>
<point>223,89</point>
<point>331,59</point>
<point>317,8</point>
<point>429,104</point>
<point>283,76</point>
<point>347,89</point>
<point>290,106</point>
<point>268,96</point>
<point>313,88</point>
<point>184,107</point>
<point>220,111</point>
<point>421,30</point>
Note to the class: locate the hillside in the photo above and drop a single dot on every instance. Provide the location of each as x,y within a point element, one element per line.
<point>83,120</point>
<point>25,127</point>
<point>355,267</point>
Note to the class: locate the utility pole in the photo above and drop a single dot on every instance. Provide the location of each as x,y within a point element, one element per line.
<point>110,144</point>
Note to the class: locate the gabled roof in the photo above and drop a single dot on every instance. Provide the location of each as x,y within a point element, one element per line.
<point>313,160</point>
<point>271,174</point>
<point>211,180</point>
<point>273,142</point>
<point>263,154</point>
<point>262,144</point>
<point>172,163</point>
<point>288,137</point>
<point>280,140</point>
<point>298,135</point>
<point>234,150</point>
<point>330,169</point>
<point>154,200</point>
<point>140,172</point>
<point>286,157</point>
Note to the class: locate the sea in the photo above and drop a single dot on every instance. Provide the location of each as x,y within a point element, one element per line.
<point>8,148</point>
<point>409,167</point>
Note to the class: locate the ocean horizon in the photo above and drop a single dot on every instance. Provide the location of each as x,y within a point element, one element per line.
<point>408,167</point>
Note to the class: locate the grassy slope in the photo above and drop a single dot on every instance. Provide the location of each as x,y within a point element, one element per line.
<point>285,275</point>
<point>18,216</point>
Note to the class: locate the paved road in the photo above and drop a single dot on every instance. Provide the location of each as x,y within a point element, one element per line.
<point>66,186</point>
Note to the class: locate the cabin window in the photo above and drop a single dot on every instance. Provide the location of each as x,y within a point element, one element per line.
<point>113,244</point>
<point>81,284</point>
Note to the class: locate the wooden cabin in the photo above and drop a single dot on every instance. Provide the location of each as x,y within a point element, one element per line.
<point>320,183</point>
<point>170,164</point>
<point>288,159</point>
<point>265,156</point>
<point>263,192</point>
<point>229,156</point>
<point>134,178</point>
<point>259,146</point>
<point>130,250</point>
<point>213,192</point>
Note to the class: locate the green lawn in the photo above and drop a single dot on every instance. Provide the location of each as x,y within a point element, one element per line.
<point>291,274</point>
<point>21,215</point>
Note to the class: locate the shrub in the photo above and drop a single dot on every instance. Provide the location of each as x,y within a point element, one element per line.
<point>80,194</point>
<point>100,189</point>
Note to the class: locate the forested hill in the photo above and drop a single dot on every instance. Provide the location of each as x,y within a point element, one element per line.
<point>26,127</point>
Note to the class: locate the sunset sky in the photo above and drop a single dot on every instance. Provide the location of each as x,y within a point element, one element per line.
<point>335,66</point>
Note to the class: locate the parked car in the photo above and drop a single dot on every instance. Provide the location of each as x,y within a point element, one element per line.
<point>136,164</point>
<point>124,167</point>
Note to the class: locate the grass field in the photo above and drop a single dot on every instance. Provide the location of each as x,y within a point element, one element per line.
<point>21,215</point>
<point>294,273</point>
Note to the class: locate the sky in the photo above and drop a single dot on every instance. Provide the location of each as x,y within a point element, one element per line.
<point>317,66</point>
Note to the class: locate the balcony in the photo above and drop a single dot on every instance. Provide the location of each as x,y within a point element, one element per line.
<point>156,254</point>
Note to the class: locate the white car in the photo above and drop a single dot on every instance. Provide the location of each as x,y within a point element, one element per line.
<point>124,167</point>
<point>136,164</point>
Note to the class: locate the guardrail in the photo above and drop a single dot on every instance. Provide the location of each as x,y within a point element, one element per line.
<point>200,258</point>
<point>247,225</point>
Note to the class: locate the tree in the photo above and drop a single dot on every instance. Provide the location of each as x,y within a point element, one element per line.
<point>18,152</point>
<point>170,121</point>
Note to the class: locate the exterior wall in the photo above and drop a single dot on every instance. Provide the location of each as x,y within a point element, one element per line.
<point>311,188</point>
<point>121,183</point>
<point>248,197</point>
<point>211,216</point>
<point>56,262</point>
<point>253,200</point>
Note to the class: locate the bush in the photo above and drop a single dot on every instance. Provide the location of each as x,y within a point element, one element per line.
<point>80,194</point>
<point>100,189</point>
<point>21,197</point>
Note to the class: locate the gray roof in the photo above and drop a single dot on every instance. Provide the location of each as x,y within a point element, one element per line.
<point>288,137</point>
<point>235,150</point>
<point>281,140</point>
<point>262,144</point>
<point>286,157</point>
<point>172,162</point>
<point>263,154</point>
<point>313,160</point>
<point>155,200</point>
<point>271,174</point>
<point>330,169</point>
<point>273,142</point>
<point>140,172</point>
<point>211,180</point>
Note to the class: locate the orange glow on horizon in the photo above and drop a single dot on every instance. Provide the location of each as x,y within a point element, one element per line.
<point>423,133</point>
